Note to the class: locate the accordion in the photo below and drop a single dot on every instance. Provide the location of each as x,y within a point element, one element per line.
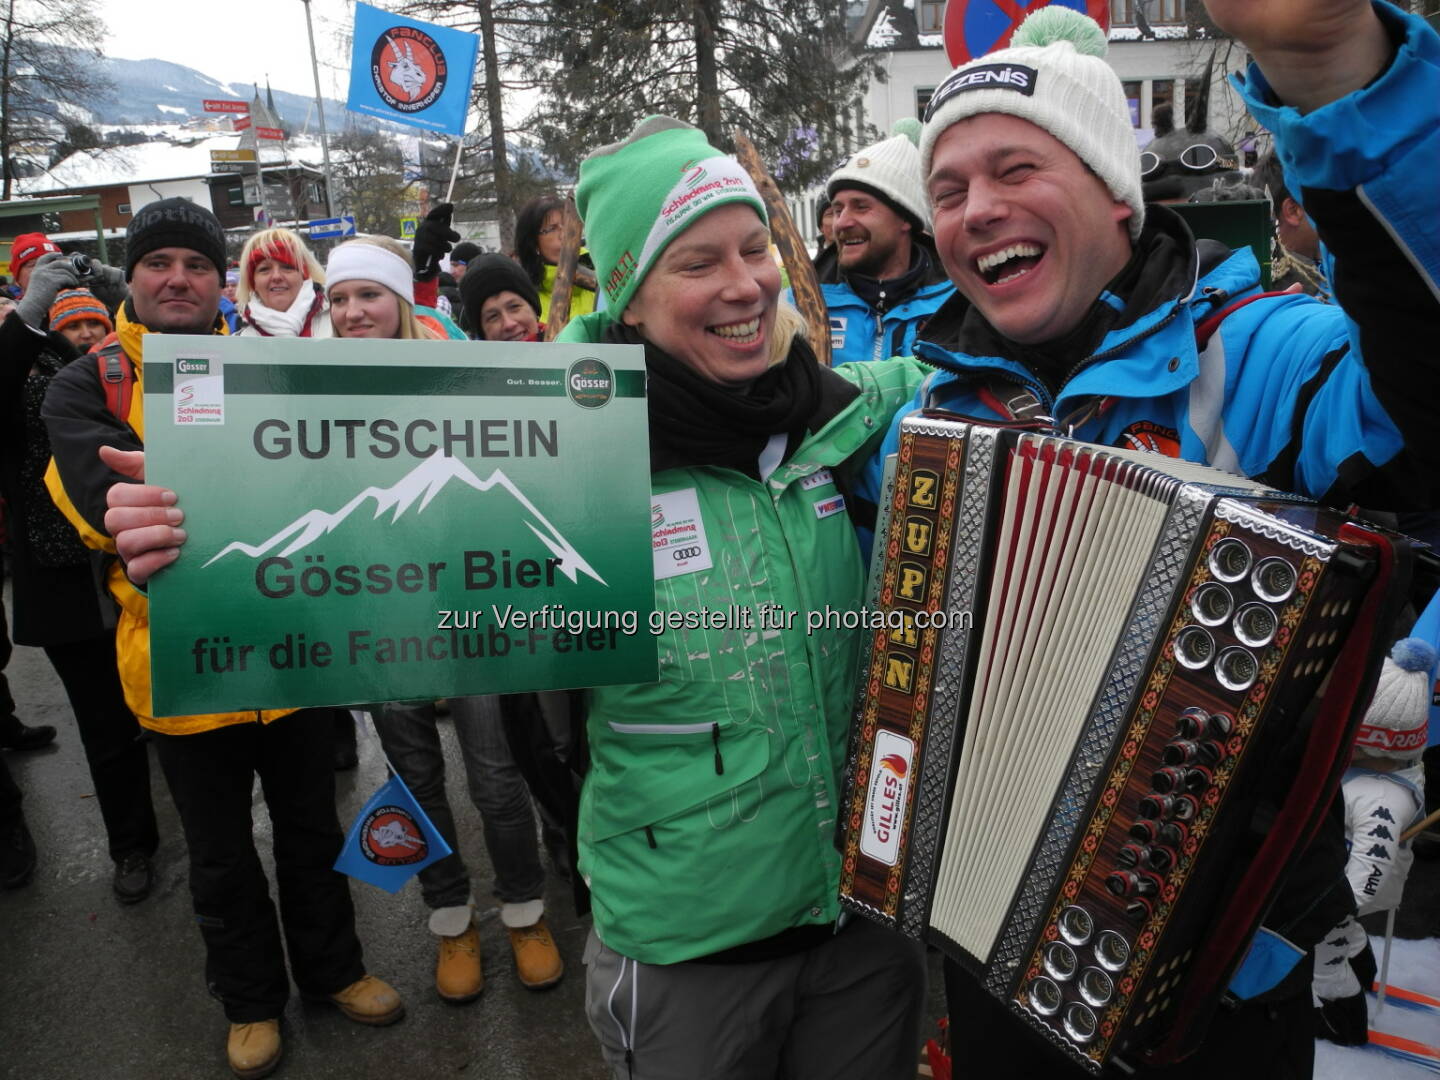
<point>1084,666</point>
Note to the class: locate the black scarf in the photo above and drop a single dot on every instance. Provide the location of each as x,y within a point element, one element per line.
<point>883,294</point>
<point>694,421</point>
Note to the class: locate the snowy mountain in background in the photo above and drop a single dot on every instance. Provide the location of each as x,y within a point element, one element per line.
<point>161,92</point>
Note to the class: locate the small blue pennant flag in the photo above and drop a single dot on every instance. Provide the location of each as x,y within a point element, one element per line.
<point>411,72</point>
<point>391,840</point>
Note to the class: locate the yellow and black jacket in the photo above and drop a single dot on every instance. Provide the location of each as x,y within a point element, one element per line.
<point>79,421</point>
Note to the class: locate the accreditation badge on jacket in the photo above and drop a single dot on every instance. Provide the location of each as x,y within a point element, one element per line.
<point>677,534</point>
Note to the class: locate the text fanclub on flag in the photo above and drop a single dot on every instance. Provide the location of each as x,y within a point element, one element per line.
<point>411,72</point>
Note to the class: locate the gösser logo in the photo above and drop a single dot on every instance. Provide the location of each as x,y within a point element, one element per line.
<point>390,837</point>
<point>684,553</point>
<point>590,383</point>
<point>408,69</point>
<point>192,367</point>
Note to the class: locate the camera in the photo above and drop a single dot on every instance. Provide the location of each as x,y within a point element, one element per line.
<point>81,264</point>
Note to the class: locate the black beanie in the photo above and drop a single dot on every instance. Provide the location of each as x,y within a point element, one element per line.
<point>491,274</point>
<point>464,252</point>
<point>174,223</point>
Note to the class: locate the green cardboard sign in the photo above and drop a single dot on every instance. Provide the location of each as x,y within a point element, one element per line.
<point>391,520</point>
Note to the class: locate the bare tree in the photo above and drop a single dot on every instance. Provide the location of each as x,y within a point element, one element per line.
<point>369,173</point>
<point>489,181</point>
<point>40,88</point>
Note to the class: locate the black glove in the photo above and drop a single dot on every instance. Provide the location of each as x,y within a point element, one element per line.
<point>52,273</point>
<point>1345,1020</point>
<point>107,283</point>
<point>433,239</point>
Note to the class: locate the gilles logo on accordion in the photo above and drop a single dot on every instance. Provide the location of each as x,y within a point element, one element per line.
<point>1067,732</point>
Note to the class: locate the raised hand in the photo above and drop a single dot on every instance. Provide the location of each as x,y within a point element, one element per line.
<point>1311,51</point>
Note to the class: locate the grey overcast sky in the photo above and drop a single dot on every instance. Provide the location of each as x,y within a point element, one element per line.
<point>238,41</point>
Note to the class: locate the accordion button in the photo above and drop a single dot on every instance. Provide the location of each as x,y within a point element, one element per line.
<point>1144,831</point>
<point>1220,725</point>
<point>1167,780</point>
<point>1138,910</point>
<point>1155,806</point>
<point>1180,752</point>
<point>1159,859</point>
<point>1211,752</point>
<point>1191,722</point>
<point>1198,779</point>
<point>1173,835</point>
<point>1122,883</point>
<point>1129,855</point>
<point>1184,808</point>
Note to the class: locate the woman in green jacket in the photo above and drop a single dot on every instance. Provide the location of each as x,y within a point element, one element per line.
<point>707,819</point>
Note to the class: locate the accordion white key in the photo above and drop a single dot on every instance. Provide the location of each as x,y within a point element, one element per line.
<point>1085,663</point>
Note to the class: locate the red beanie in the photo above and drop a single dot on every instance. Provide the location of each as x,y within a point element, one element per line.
<point>28,247</point>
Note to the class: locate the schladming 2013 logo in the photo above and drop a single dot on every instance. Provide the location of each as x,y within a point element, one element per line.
<point>407,68</point>
<point>590,383</point>
<point>390,837</point>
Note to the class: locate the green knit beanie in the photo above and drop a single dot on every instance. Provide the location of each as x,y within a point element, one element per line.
<point>637,195</point>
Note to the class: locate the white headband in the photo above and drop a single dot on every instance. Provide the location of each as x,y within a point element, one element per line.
<point>370,262</point>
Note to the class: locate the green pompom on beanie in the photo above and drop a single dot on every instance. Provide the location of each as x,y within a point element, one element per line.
<point>637,195</point>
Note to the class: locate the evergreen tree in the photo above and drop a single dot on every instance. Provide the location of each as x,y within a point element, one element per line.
<point>41,86</point>
<point>782,71</point>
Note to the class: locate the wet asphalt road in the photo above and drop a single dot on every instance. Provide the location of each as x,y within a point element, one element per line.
<point>91,990</point>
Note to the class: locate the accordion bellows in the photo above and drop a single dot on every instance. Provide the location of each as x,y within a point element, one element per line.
<point>1088,665</point>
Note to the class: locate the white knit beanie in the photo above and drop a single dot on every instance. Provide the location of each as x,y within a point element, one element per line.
<point>1054,75</point>
<point>891,168</point>
<point>1397,722</point>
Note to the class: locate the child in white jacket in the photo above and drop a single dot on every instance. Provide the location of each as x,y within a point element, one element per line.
<point>1384,791</point>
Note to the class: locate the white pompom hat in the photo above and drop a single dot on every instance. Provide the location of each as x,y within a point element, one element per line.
<point>1054,75</point>
<point>1397,722</point>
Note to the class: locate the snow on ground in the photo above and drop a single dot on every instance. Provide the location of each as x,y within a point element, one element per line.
<point>176,109</point>
<point>1414,965</point>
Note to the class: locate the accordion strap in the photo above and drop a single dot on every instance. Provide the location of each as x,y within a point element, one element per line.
<point>1351,685</point>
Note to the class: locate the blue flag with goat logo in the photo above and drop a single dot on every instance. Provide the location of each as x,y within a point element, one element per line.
<point>391,840</point>
<point>411,72</point>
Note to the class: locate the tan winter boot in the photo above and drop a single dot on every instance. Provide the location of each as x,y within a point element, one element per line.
<point>369,1000</point>
<point>537,960</point>
<point>458,975</point>
<point>254,1049</point>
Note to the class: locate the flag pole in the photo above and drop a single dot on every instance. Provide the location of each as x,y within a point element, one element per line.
<point>455,170</point>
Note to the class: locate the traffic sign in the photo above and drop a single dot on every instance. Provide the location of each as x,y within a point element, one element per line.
<point>223,105</point>
<point>241,123</point>
<point>407,227</point>
<point>976,27</point>
<point>269,133</point>
<point>232,155</point>
<point>326,228</point>
<point>229,166</point>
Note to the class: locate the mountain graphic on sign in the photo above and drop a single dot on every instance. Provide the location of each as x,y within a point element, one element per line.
<point>421,484</point>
